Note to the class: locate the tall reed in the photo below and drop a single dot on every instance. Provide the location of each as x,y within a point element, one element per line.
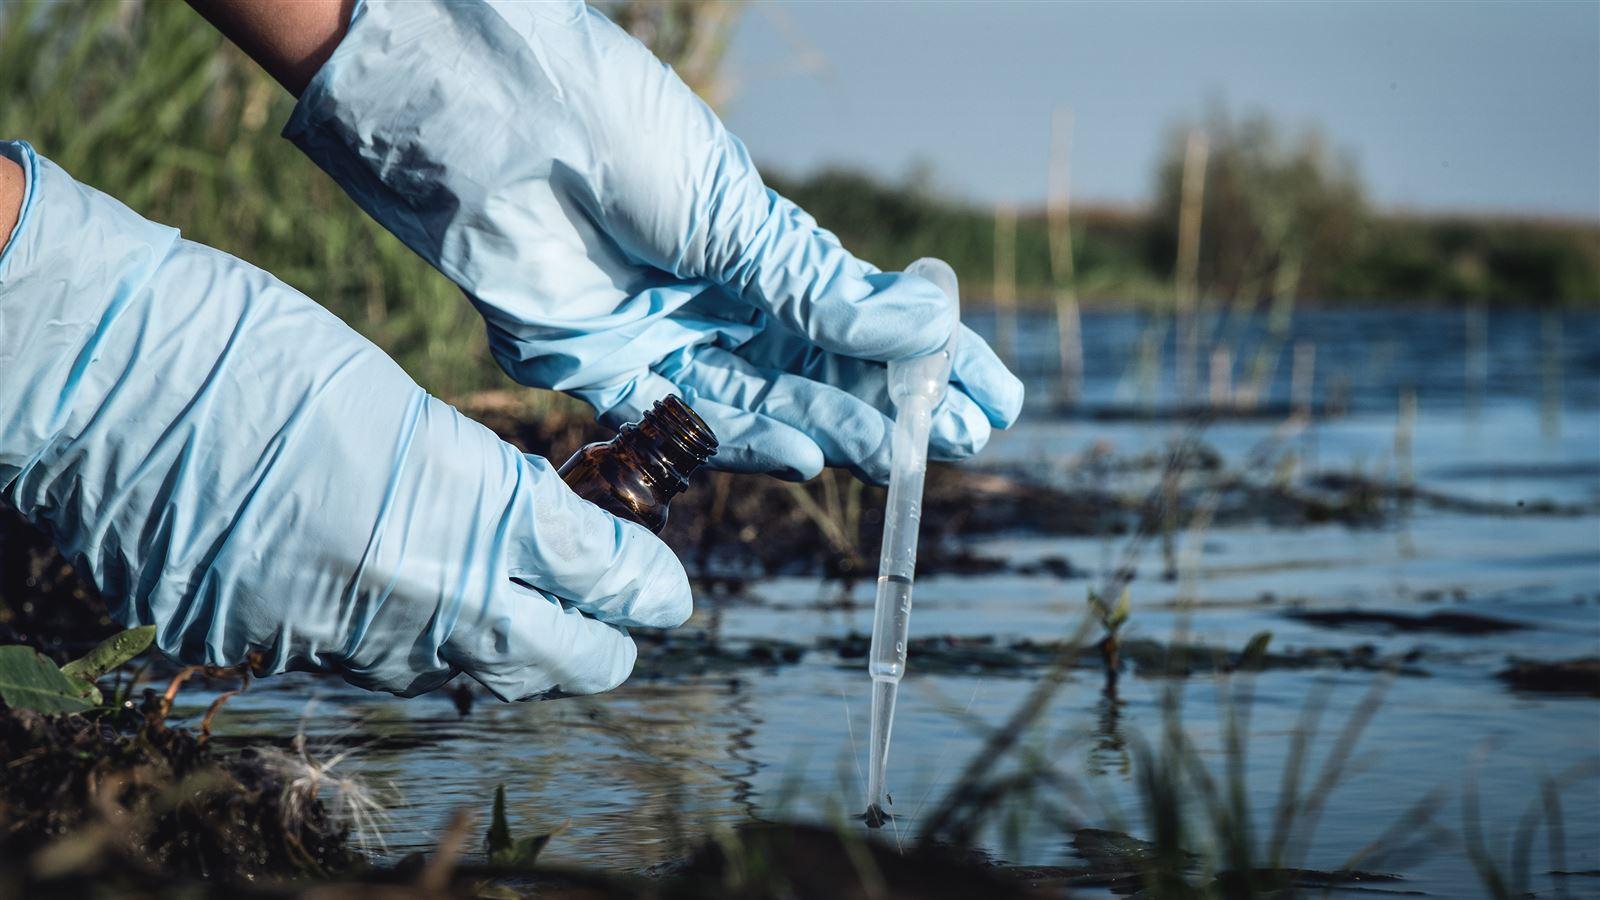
<point>1005,282</point>
<point>1069,336</point>
<point>1186,281</point>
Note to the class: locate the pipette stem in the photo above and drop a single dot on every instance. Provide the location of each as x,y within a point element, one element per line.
<point>884,691</point>
<point>916,386</point>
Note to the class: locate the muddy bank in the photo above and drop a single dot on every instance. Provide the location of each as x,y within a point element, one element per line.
<point>1456,623</point>
<point>1570,676</point>
<point>729,530</point>
<point>117,797</point>
<point>1127,865</point>
<point>987,655</point>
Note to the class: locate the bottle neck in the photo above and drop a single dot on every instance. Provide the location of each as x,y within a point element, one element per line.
<point>669,442</point>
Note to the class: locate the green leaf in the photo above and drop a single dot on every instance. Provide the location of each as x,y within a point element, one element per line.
<point>1121,612</point>
<point>30,681</point>
<point>499,838</point>
<point>523,853</point>
<point>112,652</point>
<point>502,849</point>
<point>1255,651</point>
<point>88,690</point>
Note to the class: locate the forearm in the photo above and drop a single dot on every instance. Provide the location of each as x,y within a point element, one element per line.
<point>291,39</point>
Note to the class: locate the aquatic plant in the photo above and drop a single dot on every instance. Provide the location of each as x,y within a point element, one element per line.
<point>1510,877</point>
<point>1111,618</point>
<point>29,680</point>
<point>504,850</point>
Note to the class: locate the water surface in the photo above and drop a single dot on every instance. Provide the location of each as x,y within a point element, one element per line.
<point>1507,411</point>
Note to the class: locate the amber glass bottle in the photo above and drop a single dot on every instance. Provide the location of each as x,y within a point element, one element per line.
<point>637,473</point>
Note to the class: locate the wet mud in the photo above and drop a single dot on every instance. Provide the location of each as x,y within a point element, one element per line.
<point>731,529</point>
<point>121,797</point>
<point>988,655</point>
<point>1569,676</point>
<point>1455,623</point>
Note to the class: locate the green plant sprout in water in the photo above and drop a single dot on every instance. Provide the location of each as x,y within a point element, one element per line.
<point>1111,618</point>
<point>505,850</point>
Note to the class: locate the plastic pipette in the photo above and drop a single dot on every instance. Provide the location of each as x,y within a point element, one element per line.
<point>916,386</point>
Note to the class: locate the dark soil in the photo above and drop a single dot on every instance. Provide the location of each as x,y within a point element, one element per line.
<point>805,861</point>
<point>1571,676</point>
<point>1351,484</point>
<point>123,796</point>
<point>1459,623</point>
<point>1123,864</point>
<point>727,528</point>
<point>43,601</point>
<point>988,655</point>
<point>674,654</point>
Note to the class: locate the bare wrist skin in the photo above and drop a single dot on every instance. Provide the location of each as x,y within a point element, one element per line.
<point>11,188</point>
<point>291,39</point>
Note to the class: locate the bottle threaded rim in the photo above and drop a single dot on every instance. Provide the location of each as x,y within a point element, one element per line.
<point>670,441</point>
<point>682,426</point>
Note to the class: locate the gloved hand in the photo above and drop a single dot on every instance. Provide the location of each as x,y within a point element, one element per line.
<point>619,241</point>
<point>230,462</point>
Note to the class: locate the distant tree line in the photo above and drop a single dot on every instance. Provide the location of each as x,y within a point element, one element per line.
<point>1282,219</point>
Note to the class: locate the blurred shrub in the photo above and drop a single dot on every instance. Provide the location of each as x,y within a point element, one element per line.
<point>1290,213</point>
<point>894,224</point>
<point>1279,213</point>
<point>1458,258</point>
<point>1282,218</point>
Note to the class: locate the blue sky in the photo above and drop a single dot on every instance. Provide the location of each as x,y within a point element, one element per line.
<point>1446,106</point>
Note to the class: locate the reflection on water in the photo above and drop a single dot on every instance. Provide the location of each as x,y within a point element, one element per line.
<point>1109,753</point>
<point>1505,410</point>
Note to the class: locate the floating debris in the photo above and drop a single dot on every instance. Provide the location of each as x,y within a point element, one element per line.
<point>1570,676</point>
<point>1460,623</point>
<point>668,654</point>
<point>989,655</point>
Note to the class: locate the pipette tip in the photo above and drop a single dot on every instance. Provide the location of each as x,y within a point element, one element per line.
<point>875,817</point>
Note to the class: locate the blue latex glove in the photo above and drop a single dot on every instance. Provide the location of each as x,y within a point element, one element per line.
<point>619,241</point>
<point>230,462</point>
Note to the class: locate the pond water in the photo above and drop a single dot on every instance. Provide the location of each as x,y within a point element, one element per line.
<point>1507,411</point>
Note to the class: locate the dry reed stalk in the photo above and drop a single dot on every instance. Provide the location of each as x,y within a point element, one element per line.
<point>1404,432</point>
<point>1221,377</point>
<point>1476,325</point>
<point>1005,282</point>
<point>1302,378</point>
<point>1186,290</point>
<point>1550,375</point>
<point>1069,334</point>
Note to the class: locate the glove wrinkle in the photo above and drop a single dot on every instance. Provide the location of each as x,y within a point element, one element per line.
<point>229,462</point>
<point>603,221</point>
<point>363,606</point>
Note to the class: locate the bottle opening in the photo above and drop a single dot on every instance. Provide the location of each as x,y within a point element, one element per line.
<point>672,441</point>
<point>684,426</point>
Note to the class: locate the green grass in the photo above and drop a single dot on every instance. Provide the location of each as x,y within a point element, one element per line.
<point>149,104</point>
